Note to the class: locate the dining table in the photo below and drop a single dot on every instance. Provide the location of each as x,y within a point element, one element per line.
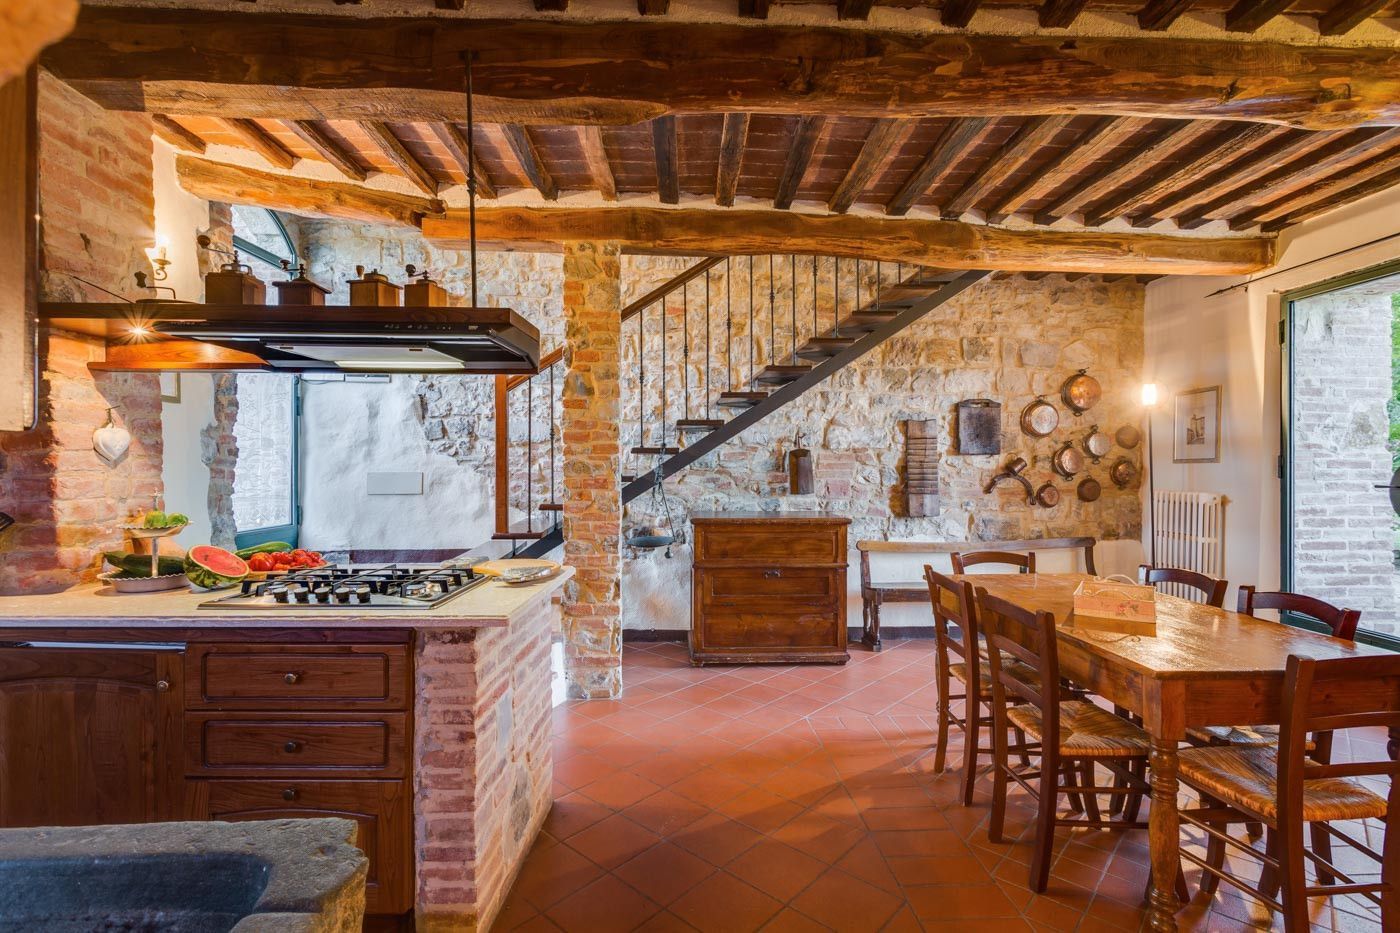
<point>1196,665</point>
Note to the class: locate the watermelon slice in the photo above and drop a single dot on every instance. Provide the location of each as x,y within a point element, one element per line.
<point>213,568</point>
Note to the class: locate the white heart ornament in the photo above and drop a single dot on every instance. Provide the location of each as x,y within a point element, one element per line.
<point>110,441</point>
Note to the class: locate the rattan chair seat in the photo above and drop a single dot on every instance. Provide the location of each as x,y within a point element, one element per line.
<point>1086,731</point>
<point>1247,779</point>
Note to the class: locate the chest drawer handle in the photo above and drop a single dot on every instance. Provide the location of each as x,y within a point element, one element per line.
<point>291,747</point>
<point>162,685</point>
<point>772,574</point>
<point>291,677</point>
<point>289,794</point>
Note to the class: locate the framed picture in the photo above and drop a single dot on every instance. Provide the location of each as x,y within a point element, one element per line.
<point>170,387</point>
<point>1196,426</point>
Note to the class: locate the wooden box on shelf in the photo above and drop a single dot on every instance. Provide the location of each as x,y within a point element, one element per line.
<point>232,285</point>
<point>425,293</point>
<point>373,290</point>
<point>301,291</point>
<point>768,587</point>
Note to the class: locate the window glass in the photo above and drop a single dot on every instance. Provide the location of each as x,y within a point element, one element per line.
<point>264,480</point>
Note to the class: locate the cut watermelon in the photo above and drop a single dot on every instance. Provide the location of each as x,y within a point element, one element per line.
<point>212,567</point>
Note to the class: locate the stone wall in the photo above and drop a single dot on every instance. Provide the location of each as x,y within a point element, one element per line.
<point>95,197</point>
<point>1343,527</point>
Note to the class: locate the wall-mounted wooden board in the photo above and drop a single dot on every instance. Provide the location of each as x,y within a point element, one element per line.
<point>18,286</point>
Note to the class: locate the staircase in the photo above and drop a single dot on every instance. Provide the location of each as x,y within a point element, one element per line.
<point>723,385</point>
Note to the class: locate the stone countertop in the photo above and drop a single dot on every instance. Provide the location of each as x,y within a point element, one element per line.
<point>491,605</point>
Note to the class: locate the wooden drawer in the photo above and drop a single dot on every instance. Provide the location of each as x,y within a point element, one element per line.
<point>381,808</point>
<point>297,677</point>
<point>771,629</point>
<point>262,745</point>
<point>806,585</point>
<point>780,544</point>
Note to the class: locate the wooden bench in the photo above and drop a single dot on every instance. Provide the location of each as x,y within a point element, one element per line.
<point>875,594</point>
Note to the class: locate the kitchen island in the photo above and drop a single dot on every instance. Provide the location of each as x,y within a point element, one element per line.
<point>429,727</point>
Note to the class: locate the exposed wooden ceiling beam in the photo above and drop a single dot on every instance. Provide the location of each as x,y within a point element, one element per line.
<point>956,139</point>
<point>1347,15</point>
<point>396,152</point>
<point>1129,165</point>
<point>1249,15</point>
<point>731,157</point>
<point>853,9</point>
<point>1092,146</point>
<point>1335,200</point>
<point>554,71</point>
<point>957,13</point>
<point>1156,185</point>
<point>934,243</point>
<point>455,142</point>
<point>551,6</point>
<point>754,9</point>
<point>653,7</point>
<point>1326,187</point>
<point>440,4</point>
<point>1336,155</point>
<point>327,148</point>
<point>804,142</point>
<point>261,142</point>
<point>595,154</point>
<point>1023,144</point>
<point>881,145</point>
<point>1056,14</point>
<point>180,137</point>
<point>1159,14</point>
<point>528,155</point>
<point>663,141</point>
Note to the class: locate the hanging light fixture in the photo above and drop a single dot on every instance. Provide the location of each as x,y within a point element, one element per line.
<point>653,532</point>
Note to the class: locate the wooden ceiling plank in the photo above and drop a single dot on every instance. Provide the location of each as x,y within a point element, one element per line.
<point>396,152</point>
<point>1158,146</point>
<point>653,7</point>
<point>1337,154</point>
<point>181,137</point>
<point>672,231</point>
<point>1024,143</point>
<point>1155,185</point>
<point>440,4</point>
<point>1249,15</point>
<point>551,6</point>
<point>1057,14</point>
<point>1159,14</point>
<point>1327,186</point>
<point>261,142</point>
<point>731,157</point>
<point>546,71</point>
<point>455,142</point>
<point>1347,15</point>
<point>754,9</point>
<point>957,13</point>
<point>959,137</point>
<point>884,141</point>
<point>853,9</point>
<point>1335,200</point>
<point>799,155</point>
<point>1098,140</point>
<point>522,144</point>
<point>327,148</point>
<point>663,142</point>
<point>595,154</point>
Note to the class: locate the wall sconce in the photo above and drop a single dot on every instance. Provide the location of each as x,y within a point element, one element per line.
<point>159,258</point>
<point>1149,395</point>
<point>111,441</point>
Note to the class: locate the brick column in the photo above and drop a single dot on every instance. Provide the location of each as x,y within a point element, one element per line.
<point>592,491</point>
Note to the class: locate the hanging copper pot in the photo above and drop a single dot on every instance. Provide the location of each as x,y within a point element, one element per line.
<point>1039,418</point>
<point>1047,495</point>
<point>1124,473</point>
<point>1067,460</point>
<point>1128,437</point>
<point>1097,444</point>
<point>1089,489</point>
<point>1081,392</point>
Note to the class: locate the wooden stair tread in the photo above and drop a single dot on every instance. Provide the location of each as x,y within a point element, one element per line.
<point>780,374</point>
<point>698,425</point>
<point>552,507</point>
<point>519,535</point>
<point>819,348</point>
<point>666,451</point>
<point>740,399</point>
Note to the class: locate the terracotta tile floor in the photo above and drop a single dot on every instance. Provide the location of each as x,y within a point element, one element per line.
<point>803,798</point>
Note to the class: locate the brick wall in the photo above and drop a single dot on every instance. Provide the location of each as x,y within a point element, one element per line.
<point>96,201</point>
<point>482,710</point>
<point>1343,531</point>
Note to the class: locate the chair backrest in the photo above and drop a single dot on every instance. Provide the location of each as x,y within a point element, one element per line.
<point>953,603</point>
<point>962,560</point>
<point>1212,590</point>
<point>1328,696</point>
<point>1342,622</point>
<point>1013,633</point>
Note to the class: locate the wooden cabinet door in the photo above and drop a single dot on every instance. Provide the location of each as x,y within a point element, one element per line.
<point>89,735</point>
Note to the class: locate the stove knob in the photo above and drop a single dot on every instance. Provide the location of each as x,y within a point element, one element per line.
<point>303,596</point>
<point>323,596</point>
<point>342,596</point>
<point>363,595</point>
<point>279,596</point>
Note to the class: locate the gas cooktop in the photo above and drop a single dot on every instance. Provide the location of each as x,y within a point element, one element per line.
<point>363,588</point>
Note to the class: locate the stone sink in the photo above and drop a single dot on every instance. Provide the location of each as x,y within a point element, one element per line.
<point>272,876</point>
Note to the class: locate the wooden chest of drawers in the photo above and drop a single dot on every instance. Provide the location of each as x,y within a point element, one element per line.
<point>768,587</point>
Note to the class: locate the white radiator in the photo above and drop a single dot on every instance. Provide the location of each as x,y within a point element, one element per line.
<point>1189,529</point>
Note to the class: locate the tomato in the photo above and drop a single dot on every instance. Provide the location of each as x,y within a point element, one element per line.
<point>259,562</point>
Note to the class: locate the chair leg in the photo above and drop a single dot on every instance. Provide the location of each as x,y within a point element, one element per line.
<point>1045,821</point>
<point>1118,802</point>
<point>1322,848</point>
<point>1269,877</point>
<point>1390,875</point>
<point>1292,878</point>
<point>1000,762</point>
<point>1025,756</point>
<point>940,748</point>
<point>972,736</point>
<point>1215,851</point>
<point>1254,830</point>
<point>1086,777</point>
<point>1132,804</point>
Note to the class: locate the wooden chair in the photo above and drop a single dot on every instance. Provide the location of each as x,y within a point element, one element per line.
<point>1025,563</point>
<point>1288,788</point>
<point>1342,622</point>
<point>1212,590</point>
<point>1068,736</point>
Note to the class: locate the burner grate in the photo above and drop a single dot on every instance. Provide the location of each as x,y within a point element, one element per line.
<point>391,586</point>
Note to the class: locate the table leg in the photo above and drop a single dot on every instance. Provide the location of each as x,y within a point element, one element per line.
<point>1163,837</point>
<point>1392,747</point>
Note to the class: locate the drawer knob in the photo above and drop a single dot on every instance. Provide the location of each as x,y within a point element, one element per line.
<point>772,574</point>
<point>291,677</point>
<point>162,685</point>
<point>289,794</point>
<point>291,747</point>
